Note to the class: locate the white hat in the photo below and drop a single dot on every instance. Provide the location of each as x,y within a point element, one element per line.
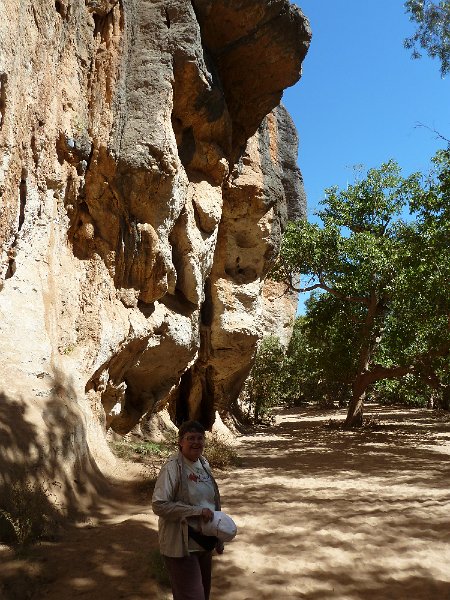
<point>221,525</point>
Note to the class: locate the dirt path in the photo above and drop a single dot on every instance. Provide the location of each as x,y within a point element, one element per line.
<point>328,514</point>
<point>322,514</point>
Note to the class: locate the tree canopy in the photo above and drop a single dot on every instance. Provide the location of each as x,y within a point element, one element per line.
<point>383,280</point>
<point>433,30</point>
<point>263,387</point>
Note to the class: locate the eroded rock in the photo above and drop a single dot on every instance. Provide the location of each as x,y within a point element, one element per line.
<point>146,173</point>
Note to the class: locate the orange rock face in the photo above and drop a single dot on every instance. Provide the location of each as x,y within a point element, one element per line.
<point>146,173</point>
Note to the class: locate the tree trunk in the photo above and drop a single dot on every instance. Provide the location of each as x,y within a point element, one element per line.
<point>446,397</point>
<point>355,413</point>
<point>356,406</point>
<point>368,343</point>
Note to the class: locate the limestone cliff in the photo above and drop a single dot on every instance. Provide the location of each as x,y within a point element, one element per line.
<point>147,169</point>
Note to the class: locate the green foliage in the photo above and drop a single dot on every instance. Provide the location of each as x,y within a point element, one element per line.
<point>263,387</point>
<point>296,367</point>
<point>158,570</point>
<point>408,391</point>
<point>219,452</point>
<point>129,450</point>
<point>384,300</point>
<point>27,513</point>
<point>318,366</point>
<point>433,30</point>
<point>351,253</point>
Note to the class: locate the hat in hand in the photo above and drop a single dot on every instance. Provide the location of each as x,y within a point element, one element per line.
<point>222,526</point>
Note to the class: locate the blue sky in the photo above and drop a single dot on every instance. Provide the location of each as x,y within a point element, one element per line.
<point>361,97</point>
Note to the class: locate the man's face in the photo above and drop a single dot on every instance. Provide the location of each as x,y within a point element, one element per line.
<point>192,444</point>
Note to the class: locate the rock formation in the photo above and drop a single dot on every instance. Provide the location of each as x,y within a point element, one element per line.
<point>147,169</point>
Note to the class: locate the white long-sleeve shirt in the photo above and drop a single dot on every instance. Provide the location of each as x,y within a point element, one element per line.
<point>174,505</point>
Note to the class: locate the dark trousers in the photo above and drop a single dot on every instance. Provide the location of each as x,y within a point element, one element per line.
<point>190,576</point>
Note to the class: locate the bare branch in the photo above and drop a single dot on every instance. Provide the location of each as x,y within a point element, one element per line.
<point>311,288</point>
<point>337,294</point>
<point>435,131</point>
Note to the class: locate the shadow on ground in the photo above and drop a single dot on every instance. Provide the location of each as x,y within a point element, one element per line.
<point>110,552</point>
<point>112,559</point>
<point>330,514</point>
<point>323,514</point>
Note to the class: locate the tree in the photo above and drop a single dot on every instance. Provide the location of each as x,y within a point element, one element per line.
<point>388,279</point>
<point>318,364</point>
<point>262,388</point>
<point>296,364</point>
<point>428,276</point>
<point>433,30</point>
<point>408,391</point>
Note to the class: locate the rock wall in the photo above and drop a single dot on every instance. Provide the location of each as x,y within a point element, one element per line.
<point>147,169</point>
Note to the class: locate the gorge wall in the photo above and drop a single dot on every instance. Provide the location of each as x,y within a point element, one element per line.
<point>147,169</point>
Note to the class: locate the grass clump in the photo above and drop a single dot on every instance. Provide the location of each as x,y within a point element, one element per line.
<point>219,452</point>
<point>27,514</point>
<point>129,450</point>
<point>158,570</point>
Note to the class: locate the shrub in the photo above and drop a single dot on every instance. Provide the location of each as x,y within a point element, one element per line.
<point>263,387</point>
<point>219,453</point>
<point>27,513</point>
<point>129,450</point>
<point>408,391</point>
<point>158,569</point>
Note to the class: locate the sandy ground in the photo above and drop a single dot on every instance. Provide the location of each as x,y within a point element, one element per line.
<point>322,514</point>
